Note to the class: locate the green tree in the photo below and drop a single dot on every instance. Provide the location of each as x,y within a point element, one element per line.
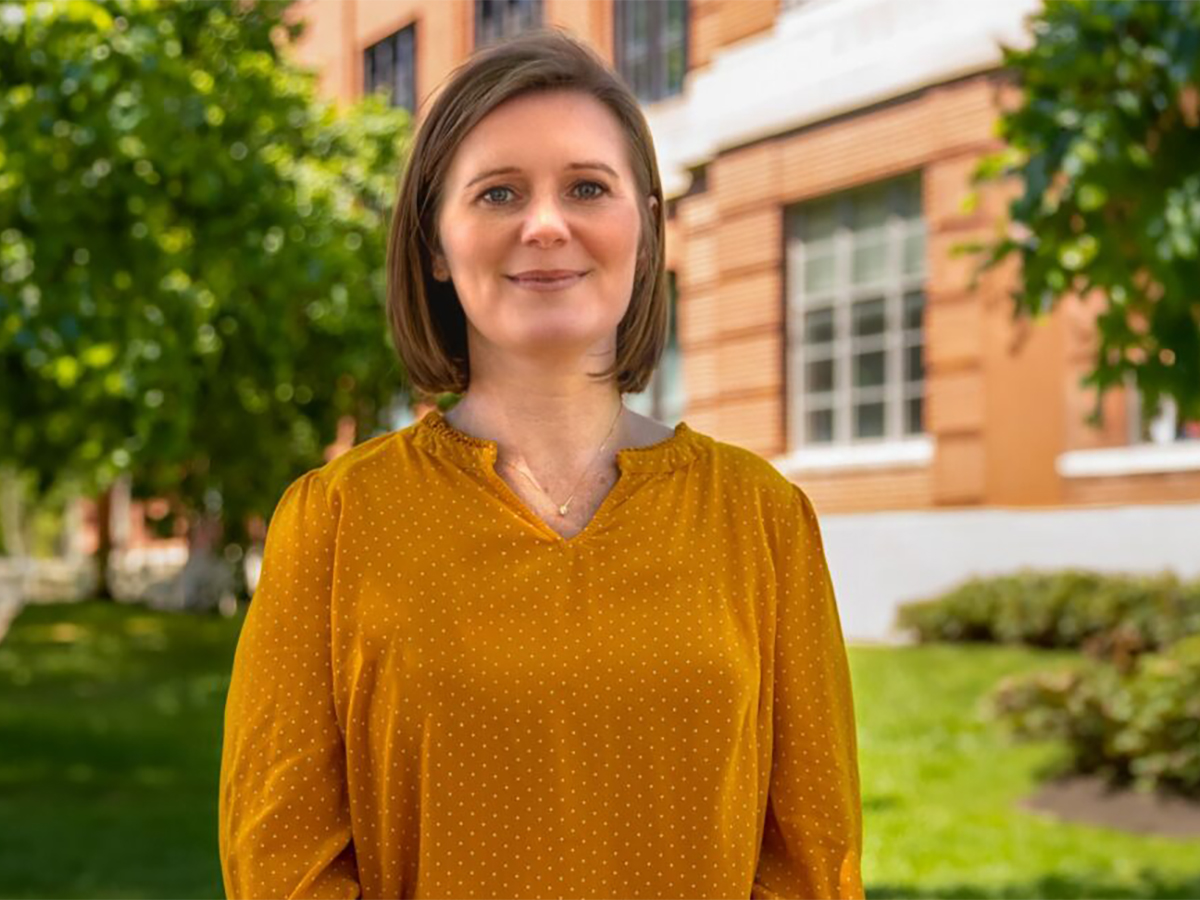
<point>1105,142</point>
<point>192,252</point>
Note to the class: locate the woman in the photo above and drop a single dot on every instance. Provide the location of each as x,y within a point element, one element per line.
<point>539,645</point>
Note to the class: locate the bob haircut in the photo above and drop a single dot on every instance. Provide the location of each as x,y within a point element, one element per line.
<point>428,325</point>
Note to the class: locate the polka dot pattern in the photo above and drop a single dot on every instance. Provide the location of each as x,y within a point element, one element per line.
<point>437,695</point>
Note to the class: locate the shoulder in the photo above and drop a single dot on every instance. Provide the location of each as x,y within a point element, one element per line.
<point>750,479</point>
<point>746,470</point>
<point>344,475</point>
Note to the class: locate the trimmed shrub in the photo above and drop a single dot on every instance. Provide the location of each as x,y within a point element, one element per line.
<point>1142,727</point>
<point>1114,618</point>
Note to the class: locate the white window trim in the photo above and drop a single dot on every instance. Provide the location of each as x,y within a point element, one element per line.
<point>915,452</point>
<point>842,298</point>
<point>1162,453</point>
<point>1141,459</point>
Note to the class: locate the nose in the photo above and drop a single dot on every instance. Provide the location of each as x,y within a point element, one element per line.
<point>545,221</point>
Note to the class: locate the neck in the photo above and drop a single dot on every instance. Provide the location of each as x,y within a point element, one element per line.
<point>557,437</point>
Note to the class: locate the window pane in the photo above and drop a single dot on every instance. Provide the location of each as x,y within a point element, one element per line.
<point>639,39</point>
<point>881,230</point>
<point>818,326</point>
<point>869,260</point>
<point>383,67</point>
<point>369,70</point>
<point>868,420</point>
<point>820,426</point>
<point>405,92</point>
<point>908,195</point>
<point>870,208</point>
<point>818,272</point>
<point>499,19</point>
<point>914,252</point>
<point>819,377</point>
<point>868,317</point>
<point>914,309</point>
<point>818,221</point>
<point>676,45</point>
<point>869,368</point>
<point>913,408</point>
<point>914,365</point>
<point>531,14</point>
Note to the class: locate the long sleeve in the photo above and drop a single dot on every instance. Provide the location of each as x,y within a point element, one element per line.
<point>812,836</point>
<point>284,815</point>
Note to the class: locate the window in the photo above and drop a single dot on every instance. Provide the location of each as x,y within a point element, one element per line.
<point>650,46</point>
<point>1167,427</point>
<point>496,20</point>
<point>856,303</point>
<point>664,397</point>
<point>390,66</point>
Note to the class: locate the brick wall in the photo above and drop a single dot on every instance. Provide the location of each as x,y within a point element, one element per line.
<point>1002,398</point>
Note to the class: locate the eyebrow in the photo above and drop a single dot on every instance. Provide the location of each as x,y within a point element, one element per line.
<point>508,170</point>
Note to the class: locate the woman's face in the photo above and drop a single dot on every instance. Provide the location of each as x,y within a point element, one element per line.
<point>542,213</point>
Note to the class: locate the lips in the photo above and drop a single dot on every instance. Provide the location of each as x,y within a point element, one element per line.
<point>546,284</point>
<point>547,275</point>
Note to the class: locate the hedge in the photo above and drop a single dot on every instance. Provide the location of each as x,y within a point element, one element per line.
<point>1141,727</point>
<point>1111,617</point>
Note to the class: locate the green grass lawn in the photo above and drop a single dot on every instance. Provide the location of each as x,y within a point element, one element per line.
<point>110,724</point>
<point>940,783</point>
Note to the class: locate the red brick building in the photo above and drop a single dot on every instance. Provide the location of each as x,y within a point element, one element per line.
<point>816,158</point>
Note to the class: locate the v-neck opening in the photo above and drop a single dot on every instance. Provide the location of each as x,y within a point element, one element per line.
<point>514,499</point>
<point>481,454</point>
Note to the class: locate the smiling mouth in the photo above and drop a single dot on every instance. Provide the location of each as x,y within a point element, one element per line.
<point>545,277</point>
<point>547,283</point>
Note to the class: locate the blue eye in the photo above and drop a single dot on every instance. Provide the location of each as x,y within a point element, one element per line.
<point>603,190</point>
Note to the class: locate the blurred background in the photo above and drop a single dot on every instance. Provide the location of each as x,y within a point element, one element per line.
<point>937,261</point>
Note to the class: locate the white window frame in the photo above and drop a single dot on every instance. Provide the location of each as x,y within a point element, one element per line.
<point>643,61</point>
<point>401,47</point>
<point>896,446</point>
<point>1165,451</point>
<point>499,20</point>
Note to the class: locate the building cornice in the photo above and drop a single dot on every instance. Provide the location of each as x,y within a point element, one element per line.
<point>822,59</point>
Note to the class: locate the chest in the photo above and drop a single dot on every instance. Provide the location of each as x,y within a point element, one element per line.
<point>584,500</point>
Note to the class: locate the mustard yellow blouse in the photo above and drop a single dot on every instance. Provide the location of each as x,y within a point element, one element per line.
<point>434,694</point>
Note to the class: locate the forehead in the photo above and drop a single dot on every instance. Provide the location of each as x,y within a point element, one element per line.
<point>565,126</point>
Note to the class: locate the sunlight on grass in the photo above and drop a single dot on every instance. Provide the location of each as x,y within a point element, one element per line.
<point>112,745</point>
<point>941,782</point>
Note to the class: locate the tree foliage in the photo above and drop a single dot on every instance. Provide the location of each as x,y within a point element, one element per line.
<point>1105,142</point>
<point>192,251</point>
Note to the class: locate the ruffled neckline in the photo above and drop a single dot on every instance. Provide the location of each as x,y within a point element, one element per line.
<point>433,433</point>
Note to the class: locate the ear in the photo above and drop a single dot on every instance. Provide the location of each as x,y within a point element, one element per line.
<point>440,271</point>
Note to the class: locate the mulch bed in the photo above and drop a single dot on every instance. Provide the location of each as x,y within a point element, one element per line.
<point>1090,800</point>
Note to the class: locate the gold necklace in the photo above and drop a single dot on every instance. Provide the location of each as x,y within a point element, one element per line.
<point>562,510</point>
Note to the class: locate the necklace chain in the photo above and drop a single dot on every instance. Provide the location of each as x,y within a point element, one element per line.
<point>562,510</point>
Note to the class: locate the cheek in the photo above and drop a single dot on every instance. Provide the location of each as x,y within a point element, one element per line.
<point>621,240</point>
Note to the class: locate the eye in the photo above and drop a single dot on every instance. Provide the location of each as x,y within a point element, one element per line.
<point>602,191</point>
<point>492,191</point>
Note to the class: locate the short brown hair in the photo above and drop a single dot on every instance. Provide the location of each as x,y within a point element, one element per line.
<point>427,321</point>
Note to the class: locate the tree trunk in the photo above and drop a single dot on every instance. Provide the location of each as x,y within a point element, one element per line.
<point>14,566</point>
<point>104,543</point>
